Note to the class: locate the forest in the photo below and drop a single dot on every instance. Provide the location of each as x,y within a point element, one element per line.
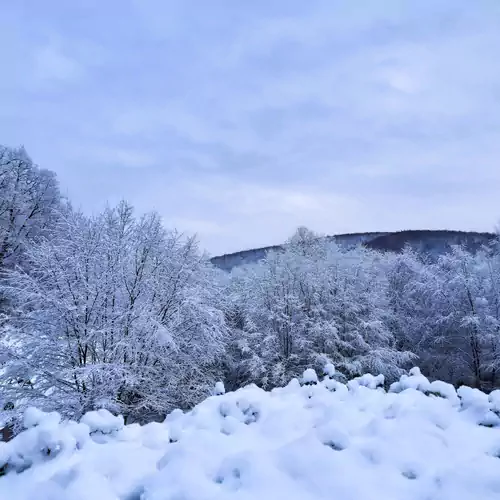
<point>115,311</point>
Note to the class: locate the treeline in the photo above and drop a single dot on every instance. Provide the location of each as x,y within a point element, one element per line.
<point>115,311</point>
<point>367,311</point>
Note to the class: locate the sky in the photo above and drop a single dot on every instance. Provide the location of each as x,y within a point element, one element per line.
<point>242,120</point>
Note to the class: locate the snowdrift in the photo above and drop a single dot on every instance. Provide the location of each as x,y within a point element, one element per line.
<point>309,440</point>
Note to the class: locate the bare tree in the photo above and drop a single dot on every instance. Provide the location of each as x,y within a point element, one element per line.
<point>114,312</point>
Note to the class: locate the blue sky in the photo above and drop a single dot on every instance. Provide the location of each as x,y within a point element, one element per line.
<point>241,120</point>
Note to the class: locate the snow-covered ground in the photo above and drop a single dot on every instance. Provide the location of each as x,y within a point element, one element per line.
<point>320,440</point>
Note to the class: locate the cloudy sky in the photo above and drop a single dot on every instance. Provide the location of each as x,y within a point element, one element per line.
<point>240,120</point>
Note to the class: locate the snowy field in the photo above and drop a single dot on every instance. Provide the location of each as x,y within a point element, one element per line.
<point>305,441</point>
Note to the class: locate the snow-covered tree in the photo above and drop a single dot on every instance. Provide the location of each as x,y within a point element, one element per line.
<point>28,199</point>
<point>114,312</point>
<point>468,294</point>
<point>313,302</point>
<point>447,311</point>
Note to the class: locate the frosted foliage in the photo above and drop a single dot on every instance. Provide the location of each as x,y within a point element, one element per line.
<point>447,311</point>
<point>28,199</point>
<point>115,312</point>
<point>309,303</point>
<point>312,302</point>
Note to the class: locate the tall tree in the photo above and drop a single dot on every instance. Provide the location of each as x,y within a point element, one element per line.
<point>114,312</point>
<point>28,199</point>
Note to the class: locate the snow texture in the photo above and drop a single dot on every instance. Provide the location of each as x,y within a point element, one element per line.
<point>309,377</point>
<point>321,440</point>
<point>329,370</point>
<point>103,421</point>
<point>219,389</point>
<point>367,380</point>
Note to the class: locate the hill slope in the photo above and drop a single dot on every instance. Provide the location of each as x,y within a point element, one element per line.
<point>326,440</point>
<point>431,242</point>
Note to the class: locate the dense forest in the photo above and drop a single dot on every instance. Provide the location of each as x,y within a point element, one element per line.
<point>432,243</point>
<point>116,311</point>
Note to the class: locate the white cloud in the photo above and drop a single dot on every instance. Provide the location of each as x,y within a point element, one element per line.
<point>122,157</point>
<point>238,213</point>
<point>52,64</point>
<point>247,119</point>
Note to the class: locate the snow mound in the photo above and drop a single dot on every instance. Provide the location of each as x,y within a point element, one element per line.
<point>309,377</point>
<point>103,421</point>
<point>415,380</point>
<point>319,440</point>
<point>219,389</point>
<point>367,380</point>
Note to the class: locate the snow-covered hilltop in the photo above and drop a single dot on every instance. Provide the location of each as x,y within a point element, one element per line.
<point>432,243</point>
<point>308,440</point>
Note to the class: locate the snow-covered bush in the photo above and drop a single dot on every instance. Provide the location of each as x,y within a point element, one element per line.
<point>367,380</point>
<point>44,438</point>
<point>294,442</point>
<point>415,380</point>
<point>309,377</point>
<point>102,421</point>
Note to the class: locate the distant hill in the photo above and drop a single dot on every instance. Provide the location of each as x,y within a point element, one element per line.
<point>425,241</point>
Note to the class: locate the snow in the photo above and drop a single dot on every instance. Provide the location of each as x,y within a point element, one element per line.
<point>494,398</point>
<point>219,389</point>
<point>34,417</point>
<point>415,380</point>
<point>444,390</point>
<point>477,406</point>
<point>329,370</point>
<point>322,440</point>
<point>309,377</point>
<point>367,380</point>
<point>103,421</point>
